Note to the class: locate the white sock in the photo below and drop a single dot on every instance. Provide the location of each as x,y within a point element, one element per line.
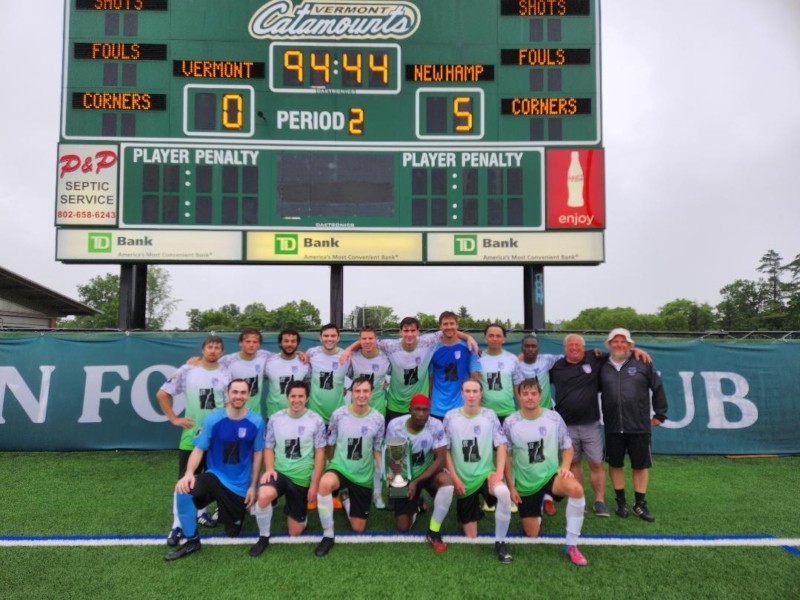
<point>376,483</point>
<point>264,519</point>
<point>176,521</point>
<point>325,510</point>
<point>502,515</point>
<point>574,519</point>
<point>441,503</point>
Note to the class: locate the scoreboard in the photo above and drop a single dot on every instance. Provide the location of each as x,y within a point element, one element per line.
<point>392,131</point>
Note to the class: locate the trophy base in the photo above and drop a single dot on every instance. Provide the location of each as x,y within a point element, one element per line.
<point>398,492</point>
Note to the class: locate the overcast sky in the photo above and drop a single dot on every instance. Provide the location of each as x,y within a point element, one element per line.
<point>701,126</point>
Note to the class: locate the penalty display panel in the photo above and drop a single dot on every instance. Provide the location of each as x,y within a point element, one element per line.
<point>364,131</point>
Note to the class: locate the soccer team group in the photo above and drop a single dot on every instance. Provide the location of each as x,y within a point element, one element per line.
<point>498,431</point>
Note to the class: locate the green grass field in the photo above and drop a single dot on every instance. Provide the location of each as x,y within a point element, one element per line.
<point>129,494</point>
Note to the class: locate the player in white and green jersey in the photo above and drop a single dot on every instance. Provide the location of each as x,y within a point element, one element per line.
<point>294,457</point>
<point>248,364</point>
<point>497,373</point>
<point>283,368</point>
<point>477,470</point>
<point>369,361</point>
<point>355,434</point>
<point>541,457</point>
<point>203,386</point>
<point>533,364</point>
<point>327,373</point>
<point>426,442</point>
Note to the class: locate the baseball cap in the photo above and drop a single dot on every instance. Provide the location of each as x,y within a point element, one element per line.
<point>420,400</point>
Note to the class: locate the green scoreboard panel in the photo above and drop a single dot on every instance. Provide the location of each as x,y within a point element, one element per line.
<point>404,115</point>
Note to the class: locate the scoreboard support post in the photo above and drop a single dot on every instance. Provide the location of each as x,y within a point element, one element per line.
<point>337,295</point>
<point>132,296</point>
<point>533,297</point>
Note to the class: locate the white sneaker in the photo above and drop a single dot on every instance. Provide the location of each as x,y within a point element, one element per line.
<point>377,500</point>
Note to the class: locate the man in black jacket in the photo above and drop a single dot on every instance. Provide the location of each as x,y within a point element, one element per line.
<point>625,387</point>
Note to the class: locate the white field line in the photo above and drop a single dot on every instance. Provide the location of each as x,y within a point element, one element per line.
<point>217,540</point>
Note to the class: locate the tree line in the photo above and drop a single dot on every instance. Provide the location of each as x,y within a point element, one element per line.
<point>769,303</point>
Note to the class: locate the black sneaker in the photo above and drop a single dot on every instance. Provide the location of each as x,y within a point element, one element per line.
<point>640,510</point>
<point>174,537</point>
<point>622,509</point>
<point>258,548</point>
<point>191,545</point>
<point>324,546</point>
<point>503,555</point>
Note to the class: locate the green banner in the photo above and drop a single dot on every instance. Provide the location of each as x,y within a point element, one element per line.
<point>98,391</point>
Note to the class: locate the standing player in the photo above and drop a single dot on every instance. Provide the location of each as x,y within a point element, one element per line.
<point>203,386</point>
<point>537,437</point>
<point>477,470</point>
<point>497,369</point>
<point>233,440</point>
<point>294,457</point>
<point>354,439</point>
<point>451,364</point>
<point>427,443</point>
<point>370,362</point>
<point>327,374</point>
<point>632,399</point>
<point>283,368</point>
<point>248,364</point>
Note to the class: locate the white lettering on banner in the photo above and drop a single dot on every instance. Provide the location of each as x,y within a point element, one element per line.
<point>140,399</point>
<point>688,394</point>
<point>11,379</point>
<point>717,399</point>
<point>93,391</point>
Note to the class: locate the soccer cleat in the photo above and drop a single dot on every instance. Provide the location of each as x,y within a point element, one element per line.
<point>575,556</point>
<point>622,509</point>
<point>191,545</point>
<point>434,538</point>
<point>514,507</point>
<point>377,500</point>
<point>337,503</point>
<point>311,505</point>
<point>258,548</point>
<point>207,519</point>
<point>548,507</point>
<point>600,509</point>
<point>324,546</point>
<point>486,507</point>
<point>503,555</point>
<point>640,510</point>
<point>174,537</point>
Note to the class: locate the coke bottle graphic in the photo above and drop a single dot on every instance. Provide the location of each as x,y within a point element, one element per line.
<point>575,181</point>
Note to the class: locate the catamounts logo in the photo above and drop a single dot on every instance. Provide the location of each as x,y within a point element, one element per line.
<point>280,20</point>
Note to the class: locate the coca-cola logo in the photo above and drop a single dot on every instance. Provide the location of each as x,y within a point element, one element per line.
<point>281,20</point>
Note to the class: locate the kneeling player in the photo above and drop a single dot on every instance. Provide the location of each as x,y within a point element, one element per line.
<point>354,439</point>
<point>294,456</point>
<point>233,438</point>
<point>474,433</point>
<point>427,444</point>
<point>535,438</point>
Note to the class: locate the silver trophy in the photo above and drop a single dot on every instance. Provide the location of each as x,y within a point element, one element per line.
<point>398,461</point>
